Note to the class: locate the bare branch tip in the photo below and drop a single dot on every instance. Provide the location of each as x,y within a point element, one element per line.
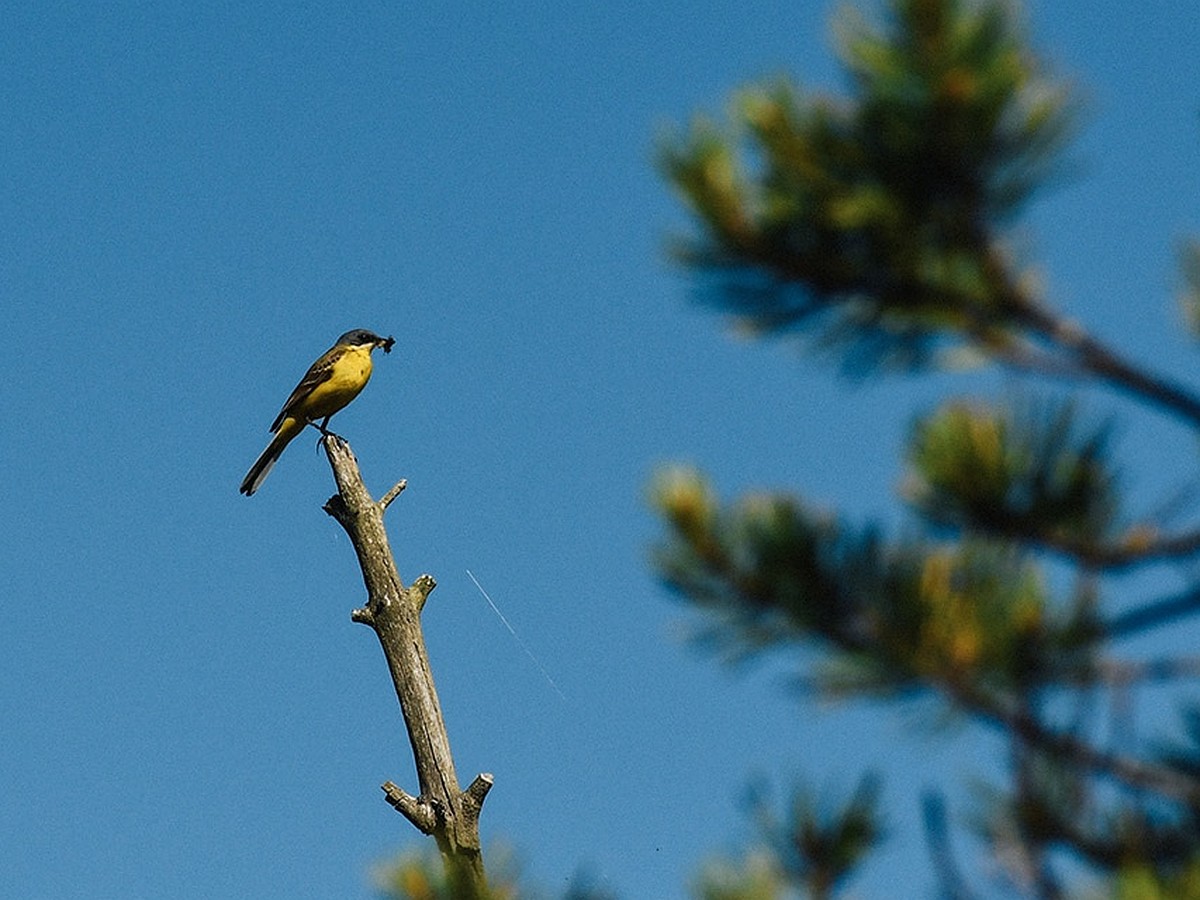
<point>475,794</point>
<point>417,811</point>
<point>479,788</point>
<point>391,495</point>
<point>363,616</point>
<point>422,588</point>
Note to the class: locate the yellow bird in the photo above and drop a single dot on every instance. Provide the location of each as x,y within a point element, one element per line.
<point>330,383</point>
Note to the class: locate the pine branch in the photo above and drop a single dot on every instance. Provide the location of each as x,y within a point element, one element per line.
<point>1122,674</point>
<point>1128,553</point>
<point>1084,353</point>
<point>1148,776</point>
<point>937,836</point>
<point>1030,856</point>
<point>1152,615</point>
<point>1111,556</point>
<point>1105,363</point>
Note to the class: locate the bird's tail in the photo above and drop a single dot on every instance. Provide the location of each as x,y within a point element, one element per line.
<point>288,429</point>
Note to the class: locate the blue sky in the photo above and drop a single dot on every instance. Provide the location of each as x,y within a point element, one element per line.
<point>195,199</point>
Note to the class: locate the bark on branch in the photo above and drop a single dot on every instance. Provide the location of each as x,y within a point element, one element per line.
<point>441,809</point>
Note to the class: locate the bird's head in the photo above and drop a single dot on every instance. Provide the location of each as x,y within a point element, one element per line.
<point>361,337</point>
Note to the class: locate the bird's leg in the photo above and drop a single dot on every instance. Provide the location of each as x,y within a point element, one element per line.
<point>323,427</point>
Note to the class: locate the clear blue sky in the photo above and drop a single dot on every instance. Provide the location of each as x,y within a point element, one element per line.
<point>195,199</point>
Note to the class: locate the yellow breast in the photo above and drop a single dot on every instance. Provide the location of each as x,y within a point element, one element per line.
<point>349,375</point>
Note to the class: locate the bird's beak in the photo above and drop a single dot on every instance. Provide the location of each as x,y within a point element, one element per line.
<point>386,343</point>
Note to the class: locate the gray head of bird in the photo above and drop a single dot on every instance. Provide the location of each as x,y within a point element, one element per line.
<point>360,337</point>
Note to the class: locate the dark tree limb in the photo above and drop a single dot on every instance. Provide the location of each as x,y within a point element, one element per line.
<point>1105,363</point>
<point>1153,615</point>
<point>1110,556</point>
<point>1148,776</point>
<point>442,809</point>
<point>937,837</point>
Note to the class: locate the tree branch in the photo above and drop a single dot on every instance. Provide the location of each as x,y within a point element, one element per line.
<point>442,810</point>
<point>419,812</point>
<point>1125,553</point>
<point>1113,556</point>
<point>1106,363</point>
<point>1083,351</point>
<point>1158,779</point>
<point>937,837</point>
<point>391,495</point>
<point>1122,674</point>
<point>1152,615</point>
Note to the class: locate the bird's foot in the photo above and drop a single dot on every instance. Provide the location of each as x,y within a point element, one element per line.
<point>325,433</point>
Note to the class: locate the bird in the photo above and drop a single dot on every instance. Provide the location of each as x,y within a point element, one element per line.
<point>329,384</point>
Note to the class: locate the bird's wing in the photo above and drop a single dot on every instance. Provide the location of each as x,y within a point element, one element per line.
<point>317,373</point>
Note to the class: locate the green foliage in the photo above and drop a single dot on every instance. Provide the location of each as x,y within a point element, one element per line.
<point>872,219</point>
<point>877,224</point>
<point>1139,881</point>
<point>419,874</point>
<point>952,114</point>
<point>1054,807</point>
<point>817,847</point>
<point>756,877</point>
<point>896,615</point>
<point>812,850</point>
<point>1025,472</point>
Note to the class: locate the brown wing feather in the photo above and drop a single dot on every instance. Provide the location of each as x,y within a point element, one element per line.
<point>317,373</point>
